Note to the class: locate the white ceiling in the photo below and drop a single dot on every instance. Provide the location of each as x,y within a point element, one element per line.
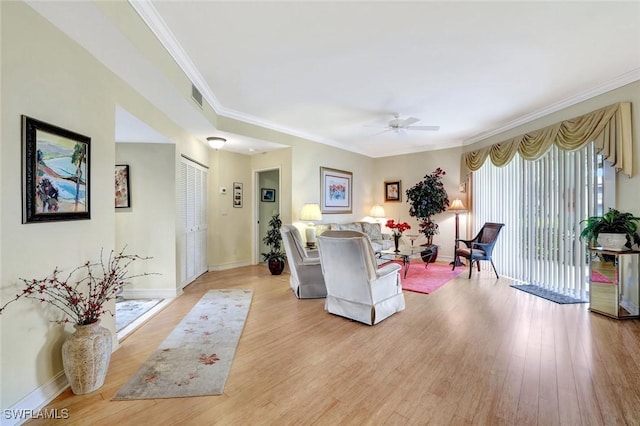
<point>335,72</point>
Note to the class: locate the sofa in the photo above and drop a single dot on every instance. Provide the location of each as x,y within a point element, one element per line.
<point>379,241</point>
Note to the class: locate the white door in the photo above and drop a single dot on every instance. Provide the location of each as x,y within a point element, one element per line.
<point>193,203</point>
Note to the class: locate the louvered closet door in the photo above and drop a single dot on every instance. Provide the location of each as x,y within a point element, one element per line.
<point>193,200</point>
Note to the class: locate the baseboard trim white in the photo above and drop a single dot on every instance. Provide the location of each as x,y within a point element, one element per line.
<point>24,410</point>
<point>150,293</point>
<point>229,266</point>
<point>122,334</point>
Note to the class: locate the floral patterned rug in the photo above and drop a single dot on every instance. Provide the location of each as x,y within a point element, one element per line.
<point>195,359</point>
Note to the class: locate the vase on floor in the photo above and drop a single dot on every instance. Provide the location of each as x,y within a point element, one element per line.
<point>396,242</point>
<point>85,356</point>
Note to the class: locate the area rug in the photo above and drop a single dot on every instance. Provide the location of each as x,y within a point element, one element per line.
<point>427,280</point>
<point>548,294</point>
<point>196,358</point>
<point>127,311</point>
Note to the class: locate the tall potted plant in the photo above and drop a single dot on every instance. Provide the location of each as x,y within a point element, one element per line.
<point>428,198</point>
<point>273,239</point>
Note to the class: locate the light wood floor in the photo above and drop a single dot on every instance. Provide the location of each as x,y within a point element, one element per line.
<point>474,352</point>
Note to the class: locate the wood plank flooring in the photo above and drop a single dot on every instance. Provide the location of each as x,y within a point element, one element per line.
<point>474,352</point>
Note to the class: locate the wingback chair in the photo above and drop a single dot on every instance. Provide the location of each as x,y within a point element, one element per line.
<point>306,279</point>
<point>356,288</point>
<point>480,247</point>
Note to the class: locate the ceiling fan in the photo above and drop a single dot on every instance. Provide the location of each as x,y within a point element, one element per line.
<point>399,125</point>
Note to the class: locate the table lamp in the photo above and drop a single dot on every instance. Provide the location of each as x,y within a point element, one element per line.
<point>457,207</point>
<point>377,211</point>
<point>310,212</point>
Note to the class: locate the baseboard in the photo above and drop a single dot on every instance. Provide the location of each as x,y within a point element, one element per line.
<point>125,332</point>
<point>229,266</point>
<point>150,293</point>
<point>24,410</point>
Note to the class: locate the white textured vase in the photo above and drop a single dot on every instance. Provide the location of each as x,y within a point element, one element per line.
<point>85,357</point>
<point>612,241</point>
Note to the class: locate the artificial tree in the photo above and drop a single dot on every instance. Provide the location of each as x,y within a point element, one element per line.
<point>428,198</point>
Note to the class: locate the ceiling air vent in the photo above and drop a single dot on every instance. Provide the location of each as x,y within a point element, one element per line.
<point>196,95</point>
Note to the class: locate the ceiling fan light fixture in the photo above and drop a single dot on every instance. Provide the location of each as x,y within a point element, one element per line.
<point>216,142</point>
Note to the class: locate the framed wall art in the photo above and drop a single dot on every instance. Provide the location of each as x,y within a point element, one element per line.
<point>55,173</point>
<point>268,195</point>
<point>237,194</point>
<point>123,194</point>
<point>335,190</point>
<point>393,191</point>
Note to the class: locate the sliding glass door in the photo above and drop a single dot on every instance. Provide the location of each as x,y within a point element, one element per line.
<point>542,203</point>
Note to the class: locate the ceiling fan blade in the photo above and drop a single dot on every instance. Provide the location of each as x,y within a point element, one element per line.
<point>423,128</point>
<point>408,122</point>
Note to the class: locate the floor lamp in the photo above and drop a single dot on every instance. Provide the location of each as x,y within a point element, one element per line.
<point>457,207</point>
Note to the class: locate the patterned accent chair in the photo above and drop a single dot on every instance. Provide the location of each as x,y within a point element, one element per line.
<point>481,247</point>
<point>306,279</point>
<point>356,287</point>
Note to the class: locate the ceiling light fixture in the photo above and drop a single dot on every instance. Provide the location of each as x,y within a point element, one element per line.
<point>216,142</point>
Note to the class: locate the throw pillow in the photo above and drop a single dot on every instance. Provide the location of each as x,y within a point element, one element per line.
<point>372,230</point>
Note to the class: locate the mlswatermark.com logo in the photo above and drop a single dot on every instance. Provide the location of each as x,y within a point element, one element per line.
<point>22,414</point>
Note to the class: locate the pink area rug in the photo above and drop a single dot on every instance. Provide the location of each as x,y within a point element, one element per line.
<point>428,280</point>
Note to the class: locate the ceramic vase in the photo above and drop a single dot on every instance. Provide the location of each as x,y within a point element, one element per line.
<point>85,357</point>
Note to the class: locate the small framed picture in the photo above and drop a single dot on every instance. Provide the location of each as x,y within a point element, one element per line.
<point>392,191</point>
<point>268,195</point>
<point>123,197</point>
<point>55,173</point>
<point>237,194</point>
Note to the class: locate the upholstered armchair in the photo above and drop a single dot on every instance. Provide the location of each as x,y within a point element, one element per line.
<point>306,279</point>
<point>356,288</point>
<point>481,247</point>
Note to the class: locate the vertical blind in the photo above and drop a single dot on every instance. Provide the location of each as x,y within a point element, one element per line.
<point>541,204</point>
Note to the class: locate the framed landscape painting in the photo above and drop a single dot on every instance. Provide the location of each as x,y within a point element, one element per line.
<point>123,197</point>
<point>55,173</point>
<point>335,190</point>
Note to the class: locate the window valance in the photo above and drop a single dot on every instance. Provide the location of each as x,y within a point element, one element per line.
<point>609,127</point>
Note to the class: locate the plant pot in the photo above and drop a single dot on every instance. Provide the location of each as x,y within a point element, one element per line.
<point>430,253</point>
<point>85,356</point>
<point>612,241</point>
<point>276,266</point>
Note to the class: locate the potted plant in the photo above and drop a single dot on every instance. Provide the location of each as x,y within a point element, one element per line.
<point>613,230</point>
<point>428,198</point>
<point>275,256</point>
<point>80,296</point>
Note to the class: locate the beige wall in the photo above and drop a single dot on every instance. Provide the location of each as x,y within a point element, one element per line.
<point>47,76</point>
<point>147,227</point>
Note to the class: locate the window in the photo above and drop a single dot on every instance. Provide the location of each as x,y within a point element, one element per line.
<point>542,203</point>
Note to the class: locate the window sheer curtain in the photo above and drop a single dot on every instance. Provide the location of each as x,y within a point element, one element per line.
<point>541,185</point>
<point>542,203</point>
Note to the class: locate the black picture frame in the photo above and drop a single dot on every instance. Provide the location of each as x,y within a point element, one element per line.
<point>268,195</point>
<point>56,178</point>
<point>393,191</point>
<point>122,189</point>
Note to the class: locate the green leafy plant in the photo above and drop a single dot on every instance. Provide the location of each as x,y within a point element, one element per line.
<point>612,222</point>
<point>428,198</point>
<point>273,240</point>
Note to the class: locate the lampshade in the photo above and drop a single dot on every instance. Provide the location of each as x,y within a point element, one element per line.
<point>457,205</point>
<point>310,211</point>
<point>216,142</point>
<point>377,211</point>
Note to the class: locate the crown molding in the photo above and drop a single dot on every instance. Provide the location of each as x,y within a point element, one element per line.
<point>158,26</point>
<point>622,80</point>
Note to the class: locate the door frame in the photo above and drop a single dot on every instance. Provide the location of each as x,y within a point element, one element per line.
<point>255,215</point>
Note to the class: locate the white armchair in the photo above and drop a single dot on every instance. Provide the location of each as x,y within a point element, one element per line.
<point>306,279</point>
<point>356,288</point>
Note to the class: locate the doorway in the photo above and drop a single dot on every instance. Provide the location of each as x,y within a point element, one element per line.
<point>267,184</point>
